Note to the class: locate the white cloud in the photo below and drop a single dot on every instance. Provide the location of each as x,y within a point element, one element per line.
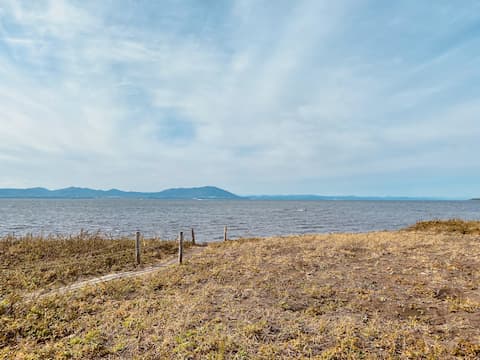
<point>56,18</point>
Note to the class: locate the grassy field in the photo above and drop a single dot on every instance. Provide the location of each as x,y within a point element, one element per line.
<point>32,263</point>
<point>390,295</point>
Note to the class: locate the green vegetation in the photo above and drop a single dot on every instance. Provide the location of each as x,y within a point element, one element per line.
<point>390,295</point>
<point>30,263</point>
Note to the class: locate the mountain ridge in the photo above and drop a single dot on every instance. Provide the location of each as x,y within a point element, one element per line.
<point>203,192</point>
<point>185,193</point>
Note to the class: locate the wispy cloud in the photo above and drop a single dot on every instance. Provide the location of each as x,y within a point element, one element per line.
<point>307,96</point>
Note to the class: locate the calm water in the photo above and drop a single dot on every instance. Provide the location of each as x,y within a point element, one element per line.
<point>164,218</point>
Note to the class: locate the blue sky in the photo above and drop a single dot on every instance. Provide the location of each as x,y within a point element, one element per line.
<point>325,97</point>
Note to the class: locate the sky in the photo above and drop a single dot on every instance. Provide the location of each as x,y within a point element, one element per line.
<point>257,97</point>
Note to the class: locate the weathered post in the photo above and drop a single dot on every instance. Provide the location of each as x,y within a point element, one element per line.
<point>137,248</point>
<point>193,237</point>
<point>225,233</point>
<point>180,248</point>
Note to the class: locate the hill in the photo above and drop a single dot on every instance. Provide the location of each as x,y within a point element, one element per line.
<point>205,192</point>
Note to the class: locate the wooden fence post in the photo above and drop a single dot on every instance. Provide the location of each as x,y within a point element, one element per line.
<point>225,233</point>
<point>180,248</point>
<point>193,237</point>
<point>137,247</point>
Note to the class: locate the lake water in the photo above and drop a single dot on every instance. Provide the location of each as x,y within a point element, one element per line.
<point>244,218</point>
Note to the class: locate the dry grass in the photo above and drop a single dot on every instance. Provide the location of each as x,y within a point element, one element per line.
<point>387,295</point>
<point>456,226</point>
<point>30,263</point>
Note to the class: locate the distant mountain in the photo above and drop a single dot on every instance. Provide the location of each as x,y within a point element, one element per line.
<point>205,192</point>
<point>201,193</point>
<point>24,193</point>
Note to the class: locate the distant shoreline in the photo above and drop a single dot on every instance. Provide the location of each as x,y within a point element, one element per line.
<point>192,193</point>
<point>246,199</point>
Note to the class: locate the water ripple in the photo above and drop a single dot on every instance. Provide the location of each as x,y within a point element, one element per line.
<point>164,219</point>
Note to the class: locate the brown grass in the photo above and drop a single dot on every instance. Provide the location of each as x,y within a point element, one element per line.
<point>30,263</point>
<point>387,295</point>
<point>455,226</point>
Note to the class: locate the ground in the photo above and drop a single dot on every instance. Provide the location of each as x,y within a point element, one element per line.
<point>30,263</point>
<point>406,294</point>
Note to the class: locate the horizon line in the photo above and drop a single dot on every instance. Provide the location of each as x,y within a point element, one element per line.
<point>277,195</point>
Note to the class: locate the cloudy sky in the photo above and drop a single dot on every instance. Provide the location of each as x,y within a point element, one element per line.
<point>326,97</point>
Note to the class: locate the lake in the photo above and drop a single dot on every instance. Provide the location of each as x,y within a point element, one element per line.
<point>244,218</point>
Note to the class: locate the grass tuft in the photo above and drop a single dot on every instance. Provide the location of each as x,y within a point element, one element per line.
<point>455,226</point>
